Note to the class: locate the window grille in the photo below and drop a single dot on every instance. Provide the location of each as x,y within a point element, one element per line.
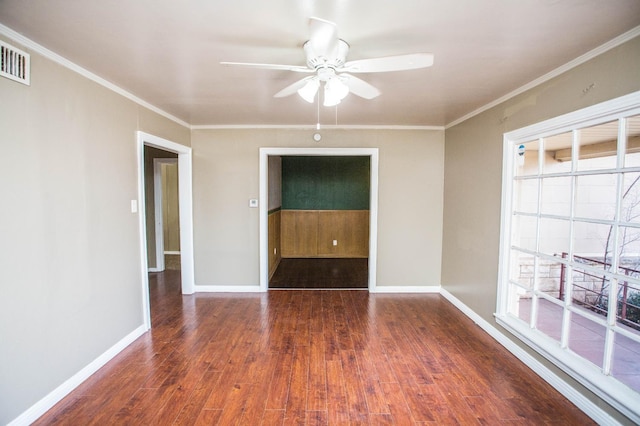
<point>569,281</point>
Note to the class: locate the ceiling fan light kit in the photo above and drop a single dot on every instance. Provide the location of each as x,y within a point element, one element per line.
<point>309,90</point>
<point>326,56</point>
<point>334,91</point>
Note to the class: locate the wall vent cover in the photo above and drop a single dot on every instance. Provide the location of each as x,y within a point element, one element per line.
<point>15,64</point>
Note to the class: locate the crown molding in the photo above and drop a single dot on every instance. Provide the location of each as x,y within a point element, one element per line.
<point>43,51</point>
<point>312,127</point>
<point>37,48</point>
<point>623,38</point>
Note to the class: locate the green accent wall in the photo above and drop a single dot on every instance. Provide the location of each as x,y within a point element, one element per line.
<point>325,183</point>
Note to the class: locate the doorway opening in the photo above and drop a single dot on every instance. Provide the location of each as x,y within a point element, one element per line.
<point>162,214</point>
<point>153,258</point>
<point>366,254</point>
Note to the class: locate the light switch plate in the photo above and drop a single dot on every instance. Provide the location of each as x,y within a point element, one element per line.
<point>253,203</point>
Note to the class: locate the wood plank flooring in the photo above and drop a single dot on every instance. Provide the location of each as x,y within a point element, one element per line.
<point>346,273</point>
<point>300,357</point>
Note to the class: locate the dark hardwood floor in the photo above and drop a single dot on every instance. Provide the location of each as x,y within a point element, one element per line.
<point>311,358</point>
<point>321,274</point>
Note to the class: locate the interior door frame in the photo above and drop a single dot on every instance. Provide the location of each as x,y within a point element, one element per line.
<point>185,200</point>
<point>265,153</point>
<point>158,199</point>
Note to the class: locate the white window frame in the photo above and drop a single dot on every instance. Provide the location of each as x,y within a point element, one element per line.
<point>605,386</point>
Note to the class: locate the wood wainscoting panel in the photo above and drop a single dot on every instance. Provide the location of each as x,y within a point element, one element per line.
<point>350,230</point>
<point>310,233</point>
<point>275,248</point>
<point>299,233</point>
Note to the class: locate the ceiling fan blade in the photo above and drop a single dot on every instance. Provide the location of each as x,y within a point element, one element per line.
<point>296,68</point>
<point>359,87</point>
<point>323,39</point>
<point>293,88</point>
<point>390,63</point>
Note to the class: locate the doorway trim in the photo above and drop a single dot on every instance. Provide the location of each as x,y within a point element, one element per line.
<point>158,200</point>
<point>185,200</point>
<point>264,203</point>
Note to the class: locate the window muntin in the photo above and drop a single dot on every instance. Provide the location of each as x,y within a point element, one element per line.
<point>596,196</point>
<point>520,304</point>
<point>598,146</point>
<point>555,193</point>
<point>527,158</point>
<point>525,230</point>
<point>623,350</point>
<point>573,245</point>
<point>587,339</point>
<point>558,152</point>
<point>632,148</point>
<point>549,318</point>
<point>553,236</point>
<point>630,197</point>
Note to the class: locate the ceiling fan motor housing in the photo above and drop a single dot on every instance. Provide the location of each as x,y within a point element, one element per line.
<point>334,59</point>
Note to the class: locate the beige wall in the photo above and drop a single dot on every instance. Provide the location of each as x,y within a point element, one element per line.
<point>226,166</point>
<point>275,182</point>
<point>473,169</point>
<point>70,285</point>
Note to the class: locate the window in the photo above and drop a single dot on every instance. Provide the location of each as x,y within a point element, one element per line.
<point>569,281</point>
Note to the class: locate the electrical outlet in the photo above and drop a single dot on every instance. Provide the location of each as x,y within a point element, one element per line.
<point>335,242</point>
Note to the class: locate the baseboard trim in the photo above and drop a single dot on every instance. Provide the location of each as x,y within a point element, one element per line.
<point>583,403</point>
<point>227,289</point>
<point>256,289</point>
<point>579,400</point>
<point>42,406</point>
<point>407,289</point>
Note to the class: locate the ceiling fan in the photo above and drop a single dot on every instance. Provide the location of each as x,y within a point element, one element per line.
<point>326,59</point>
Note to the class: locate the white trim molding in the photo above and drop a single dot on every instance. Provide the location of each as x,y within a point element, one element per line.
<point>185,212</point>
<point>228,289</point>
<point>37,48</point>
<point>623,38</point>
<point>42,406</point>
<point>434,289</point>
<point>579,400</point>
<point>312,127</point>
<point>158,199</point>
<point>596,378</point>
<point>583,403</point>
<point>390,289</point>
<point>264,203</point>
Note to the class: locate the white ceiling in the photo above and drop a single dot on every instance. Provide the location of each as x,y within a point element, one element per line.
<point>167,52</point>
